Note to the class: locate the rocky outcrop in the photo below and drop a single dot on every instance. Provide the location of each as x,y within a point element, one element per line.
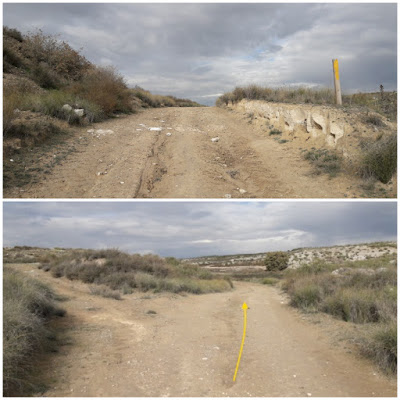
<point>324,126</point>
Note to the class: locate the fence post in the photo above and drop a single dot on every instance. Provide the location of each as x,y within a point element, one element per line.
<point>338,92</point>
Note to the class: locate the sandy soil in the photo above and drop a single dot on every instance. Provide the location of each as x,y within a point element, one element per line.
<point>134,162</point>
<point>189,347</point>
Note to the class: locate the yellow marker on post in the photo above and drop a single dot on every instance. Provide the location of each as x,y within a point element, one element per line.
<point>338,91</point>
<point>244,308</point>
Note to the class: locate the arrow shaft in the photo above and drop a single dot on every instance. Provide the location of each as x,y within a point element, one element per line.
<point>242,344</point>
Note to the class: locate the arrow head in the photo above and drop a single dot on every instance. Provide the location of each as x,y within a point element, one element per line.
<point>244,306</point>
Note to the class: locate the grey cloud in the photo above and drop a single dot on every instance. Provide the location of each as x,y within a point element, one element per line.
<point>184,229</point>
<point>195,50</point>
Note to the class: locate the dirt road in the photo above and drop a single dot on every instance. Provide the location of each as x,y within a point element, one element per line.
<point>136,162</point>
<point>189,347</point>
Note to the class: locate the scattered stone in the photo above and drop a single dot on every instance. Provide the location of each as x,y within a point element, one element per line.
<point>11,160</point>
<point>309,394</point>
<point>151,312</point>
<point>168,134</point>
<point>242,191</point>
<point>215,139</point>
<point>204,358</point>
<point>90,131</point>
<point>122,183</point>
<point>66,107</point>
<point>80,112</point>
<point>155,129</point>
<point>228,196</point>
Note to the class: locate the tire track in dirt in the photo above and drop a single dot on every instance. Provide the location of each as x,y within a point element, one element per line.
<point>137,162</point>
<point>189,347</point>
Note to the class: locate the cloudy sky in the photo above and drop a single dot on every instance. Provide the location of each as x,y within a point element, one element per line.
<point>201,50</point>
<point>189,229</point>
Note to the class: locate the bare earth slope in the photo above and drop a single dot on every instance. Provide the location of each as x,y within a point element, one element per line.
<point>190,347</point>
<point>136,162</point>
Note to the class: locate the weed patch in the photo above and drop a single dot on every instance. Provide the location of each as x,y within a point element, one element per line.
<point>359,292</point>
<point>27,305</point>
<point>125,273</point>
<point>380,159</point>
<point>324,161</point>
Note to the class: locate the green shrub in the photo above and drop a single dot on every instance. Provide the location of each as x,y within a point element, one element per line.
<point>104,291</point>
<point>11,101</point>
<point>374,120</point>
<point>270,281</point>
<point>380,159</point>
<point>324,161</point>
<point>307,297</point>
<point>46,77</point>
<point>51,103</point>
<point>275,132</point>
<point>13,33</point>
<point>121,271</point>
<point>10,58</point>
<point>276,261</point>
<point>381,346</point>
<point>359,306</point>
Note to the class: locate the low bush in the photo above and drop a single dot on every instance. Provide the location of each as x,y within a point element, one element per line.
<point>361,292</point>
<point>281,95</point>
<point>270,281</point>
<point>27,305</point>
<point>105,88</point>
<point>275,132</point>
<point>104,291</point>
<point>306,296</point>
<point>13,33</point>
<point>51,103</point>
<point>381,346</point>
<point>125,272</point>
<point>276,261</point>
<point>324,161</point>
<point>380,159</point>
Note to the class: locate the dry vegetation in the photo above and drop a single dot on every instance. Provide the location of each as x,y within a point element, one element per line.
<point>384,103</point>
<point>125,273</point>
<point>354,283</point>
<point>27,307</point>
<point>378,159</point>
<point>360,292</point>
<point>43,73</point>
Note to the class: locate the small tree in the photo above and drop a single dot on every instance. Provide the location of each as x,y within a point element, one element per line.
<point>276,261</point>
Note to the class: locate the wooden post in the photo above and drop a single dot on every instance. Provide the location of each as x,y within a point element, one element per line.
<point>338,92</point>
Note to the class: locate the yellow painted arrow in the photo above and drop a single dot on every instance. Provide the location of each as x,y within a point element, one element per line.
<point>244,308</point>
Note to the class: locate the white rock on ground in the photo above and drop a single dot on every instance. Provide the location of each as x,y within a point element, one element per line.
<point>80,112</point>
<point>215,139</point>
<point>155,129</point>
<point>66,107</point>
<point>168,134</point>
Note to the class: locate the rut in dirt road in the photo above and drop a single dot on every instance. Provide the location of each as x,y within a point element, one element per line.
<point>188,346</point>
<point>181,161</point>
